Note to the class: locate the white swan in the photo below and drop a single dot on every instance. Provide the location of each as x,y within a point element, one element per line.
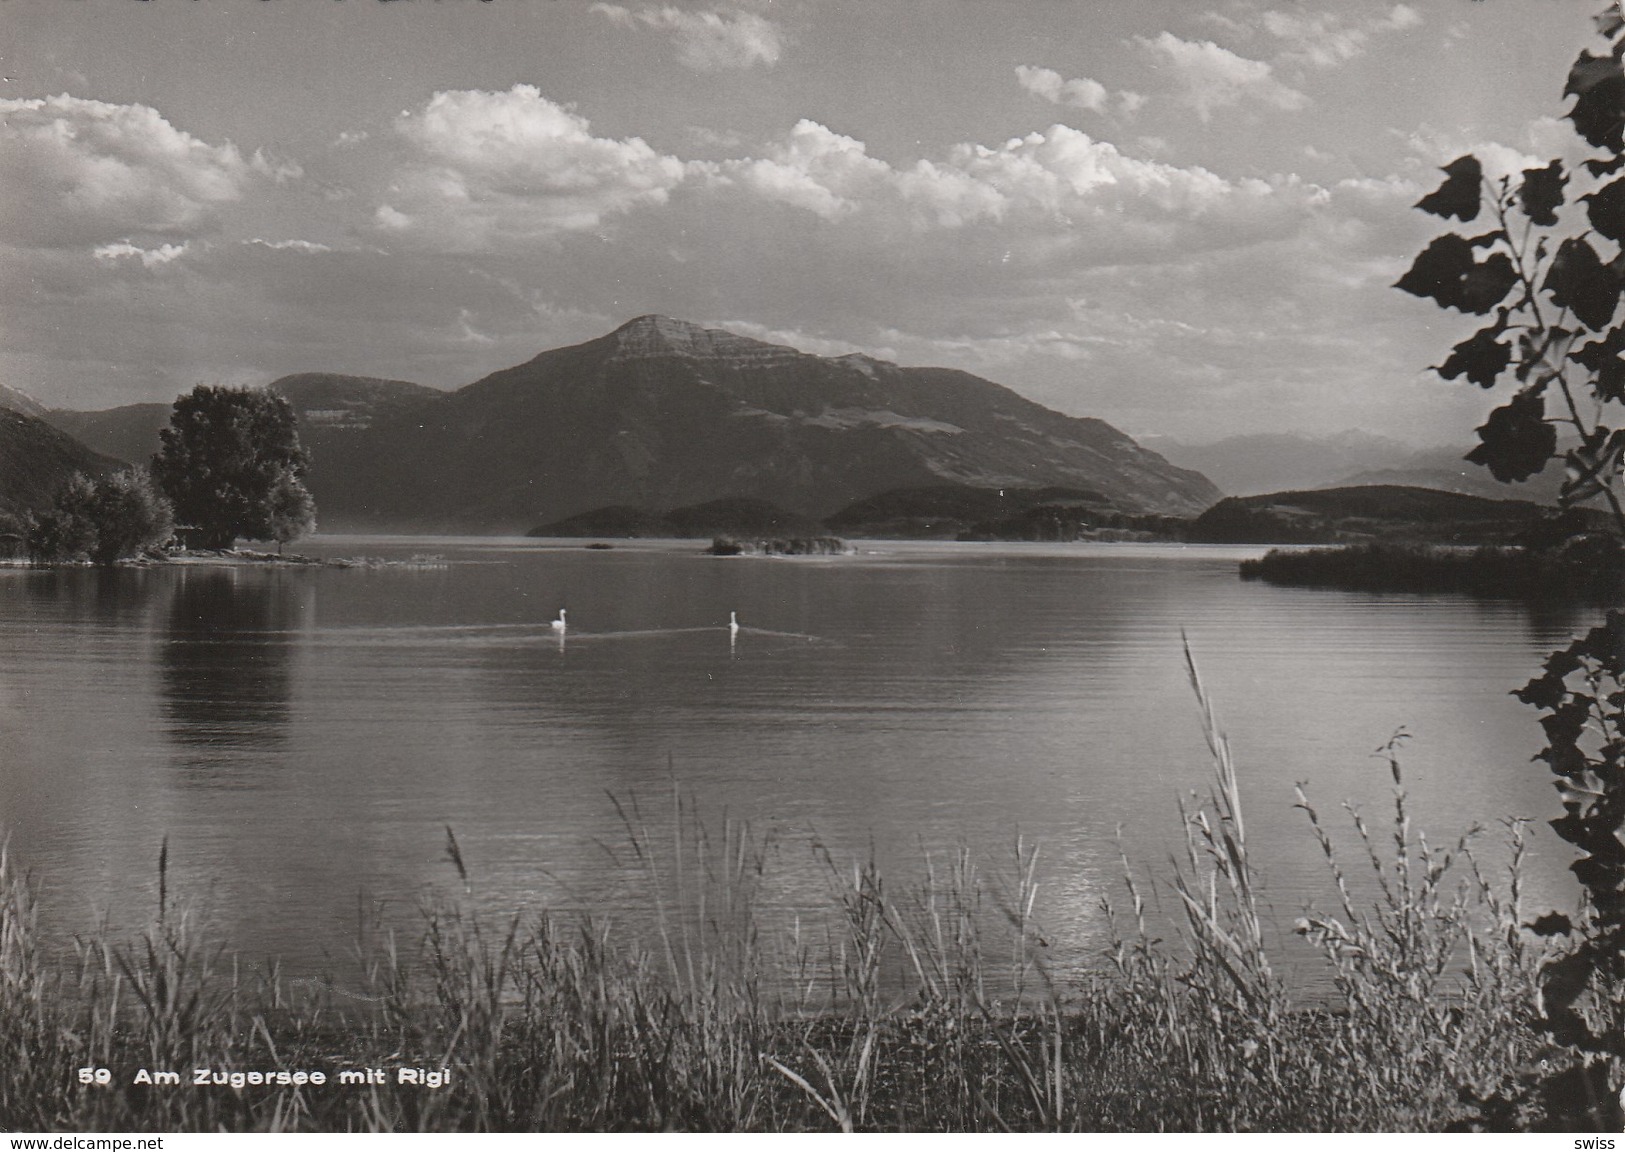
<point>733,625</point>
<point>558,625</point>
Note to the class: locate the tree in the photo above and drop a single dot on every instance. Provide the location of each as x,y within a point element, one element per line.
<point>1550,278</point>
<point>128,515</point>
<point>103,520</point>
<point>293,512</point>
<point>65,531</point>
<point>226,455</point>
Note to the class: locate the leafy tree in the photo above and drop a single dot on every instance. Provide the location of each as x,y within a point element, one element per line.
<point>128,515</point>
<point>103,520</point>
<point>66,530</point>
<point>1548,273</point>
<point>230,458</point>
<point>293,512</point>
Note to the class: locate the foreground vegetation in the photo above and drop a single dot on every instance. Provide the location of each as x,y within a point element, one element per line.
<point>930,1010</point>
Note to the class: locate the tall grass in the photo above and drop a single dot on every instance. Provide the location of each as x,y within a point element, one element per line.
<point>932,1008</point>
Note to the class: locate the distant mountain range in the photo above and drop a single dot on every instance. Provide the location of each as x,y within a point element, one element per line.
<point>662,414</point>
<point>129,433</point>
<point>1379,512</point>
<point>1265,462</point>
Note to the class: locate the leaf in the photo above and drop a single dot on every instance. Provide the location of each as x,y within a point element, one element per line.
<point>1596,354</point>
<point>1605,167</point>
<point>1603,359</point>
<point>1516,442</point>
<point>1563,979</point>
<point>1439,269</point>
<point>1459,195</point>
<point>1541,193</point>
<point>1579,282</point>
<point>1606,209</point>
<point>1552,924</point>
<point>1610,381</point>
<point>1481,358</point>
<point>1486,239</point>
<point>1446,272</point>
<point>1598,85</point>
<point>1543,692</point>
<point>1487,284</point>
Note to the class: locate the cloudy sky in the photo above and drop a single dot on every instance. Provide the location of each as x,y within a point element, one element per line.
<point>1179,215</point>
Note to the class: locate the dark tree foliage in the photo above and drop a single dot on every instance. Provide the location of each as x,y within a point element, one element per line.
<point>232,466</point>
<point>104,520</point>
<point>1551,275</point>
<point>129,515</point>
<point>65,531</point>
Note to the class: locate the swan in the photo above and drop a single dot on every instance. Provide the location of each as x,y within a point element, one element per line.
<point>733,625</point>
<point>558,625</point>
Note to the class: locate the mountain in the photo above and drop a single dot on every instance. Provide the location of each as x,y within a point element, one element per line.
<point>1268,462</point>
<point>1274,461</point>
<point>324,401</point>
<point>329,407</point>
<point>1445,469</point>
<point>661,413</point>
<point>19,401</point>
<point>128,433</point>
<point>36,459</point>
<point>1376,512</point>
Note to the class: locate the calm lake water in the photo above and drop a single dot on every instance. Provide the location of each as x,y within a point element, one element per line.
<point>303,737</point>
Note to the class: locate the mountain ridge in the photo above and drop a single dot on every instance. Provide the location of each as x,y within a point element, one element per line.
<point>37,459</point>
<point>661,413</point>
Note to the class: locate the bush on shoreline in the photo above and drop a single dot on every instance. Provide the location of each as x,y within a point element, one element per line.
<point>103,520</point>
<point>1585,565</point>
<point>782,546</point>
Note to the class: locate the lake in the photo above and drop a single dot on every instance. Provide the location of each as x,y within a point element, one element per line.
<point>303,737</point>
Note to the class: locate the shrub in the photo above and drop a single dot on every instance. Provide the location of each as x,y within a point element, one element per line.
<point>102,520</point>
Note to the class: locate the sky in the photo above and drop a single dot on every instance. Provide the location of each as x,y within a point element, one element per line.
<point>1180,216</point>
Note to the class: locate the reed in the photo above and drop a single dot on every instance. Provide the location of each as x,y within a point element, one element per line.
<point>927,1008</point>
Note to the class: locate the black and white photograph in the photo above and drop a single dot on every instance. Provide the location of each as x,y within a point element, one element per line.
<point>812,566</point>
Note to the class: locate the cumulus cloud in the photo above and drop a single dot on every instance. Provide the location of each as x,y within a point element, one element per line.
<point>817,170</point>
<point>277,169</point>
<point>1048,84</point>
<point>707,41</point>
<point>1210,77</point>
<point>85,172</point>
<point>1440,146</point>
<point>1050,260</point>
<point>802,341</point>
<point>1059,189</point>
<point>290,245</point>
<point>487,166</point>
<point>1327,39</point>
<point>149,257</point>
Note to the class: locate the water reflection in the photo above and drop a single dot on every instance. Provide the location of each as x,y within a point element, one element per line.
<point>106,600</point>
<point>225,677</point>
